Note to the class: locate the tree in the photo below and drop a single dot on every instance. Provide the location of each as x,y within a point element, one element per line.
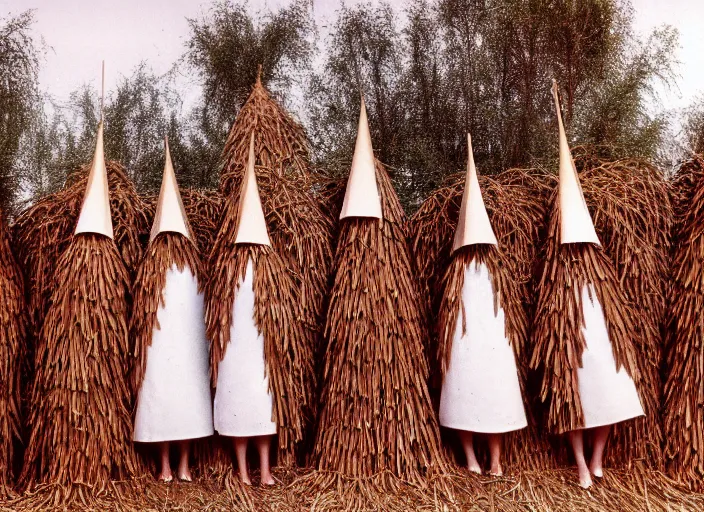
<point>19,66</point>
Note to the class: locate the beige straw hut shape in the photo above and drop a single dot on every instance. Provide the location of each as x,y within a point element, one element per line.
<point>376,412</point>
<point>80,420</point>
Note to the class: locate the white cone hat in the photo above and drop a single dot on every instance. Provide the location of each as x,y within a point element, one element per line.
<point>251,224</point>
<point>95,211</point>
<point>576,224</point>
<point>362,193</point>
<point>170,213</point>
<point>473,226</point>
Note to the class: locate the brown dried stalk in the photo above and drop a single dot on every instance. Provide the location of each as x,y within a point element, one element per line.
<point>279,317</point>
<point>630,202</point>
<point>42,233</point>
<point>165,251</point>
<point>557,331</point>
<point>376,410</point>
<point>80,416</point>
<point>13,333</point>
<point>683,412</point>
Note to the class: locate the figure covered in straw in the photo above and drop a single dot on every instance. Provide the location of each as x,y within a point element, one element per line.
<point>481,320</point>
<point>376,414</point>
<point>172,373</point>
<point>583,327</point>
<point>80,417</point>
<point>260,355</point>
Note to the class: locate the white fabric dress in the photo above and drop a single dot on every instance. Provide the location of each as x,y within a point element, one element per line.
<point>607,396</point>
<point>243,404</point>
<point>174,401</point>
<point>481,390</point>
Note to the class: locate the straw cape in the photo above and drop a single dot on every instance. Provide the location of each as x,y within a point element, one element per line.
<point>260,356</point>
<point>583,331</point>
<point>376,414</point>
<point>79,415</point>
<point>683,413</point>
<point>481,319</point>
<point>13,334</point>
<point>172,376</point>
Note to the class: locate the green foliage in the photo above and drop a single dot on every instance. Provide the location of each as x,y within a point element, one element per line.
<point>19,66</point>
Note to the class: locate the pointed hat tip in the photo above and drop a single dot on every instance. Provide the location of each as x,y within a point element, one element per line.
<point>251,223</point>
<point>170,213</point>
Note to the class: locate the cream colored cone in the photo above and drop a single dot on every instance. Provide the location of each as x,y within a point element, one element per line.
<point>473,225</point>
<point>170,213</point>
<point>576,224</point>
<point>95,211</point>
<point>362,193</point>
<point>251,224</point>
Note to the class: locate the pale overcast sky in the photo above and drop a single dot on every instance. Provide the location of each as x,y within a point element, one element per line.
<point>83,32</point>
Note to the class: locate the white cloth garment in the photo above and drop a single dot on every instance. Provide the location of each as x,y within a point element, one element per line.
<point>243,404</point>
<point>175,401</point>
<point>481,391</point>
<point>607,396</point>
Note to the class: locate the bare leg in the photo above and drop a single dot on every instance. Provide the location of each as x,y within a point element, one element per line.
<point>601,434</point>
<point>241,453</point>
<point>263,443</point>
<point>165,475</point>
<point>467,441</point>
<point>184,473</point>
<point>495,451</point>
<point>577,441</point>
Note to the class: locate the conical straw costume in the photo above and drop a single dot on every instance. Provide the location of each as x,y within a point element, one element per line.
<point>474,244</point>
<point>576,272</point>
<point>301,233</point>
<point>243,237</point>
<point>376,412</point>
<point>174,399</point>
<point>683,411</point>
<point>80,411</point>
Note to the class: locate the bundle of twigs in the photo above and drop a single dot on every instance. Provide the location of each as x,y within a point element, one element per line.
<point>515,203</point>
<point>80,416</point>
<point>557,334</point>
<point>43,231</point>
<point>278,316</point>
<point>165,251</point>
<point>632,213</point>
<point>282,145</point>
<point>203,209</point>
<point>376,414</point>
<point>301,232</point>
<point>13,331</point>
<point>683,414</point>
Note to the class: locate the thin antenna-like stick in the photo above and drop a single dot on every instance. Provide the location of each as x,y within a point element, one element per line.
<point>102,94</point>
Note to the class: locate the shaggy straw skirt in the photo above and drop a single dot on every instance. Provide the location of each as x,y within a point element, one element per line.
<point>608,396</point>
<point>243,404</point>
<point>175,401</point>
<point>481,391</point>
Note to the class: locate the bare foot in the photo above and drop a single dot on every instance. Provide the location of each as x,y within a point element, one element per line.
<point>184,474</point>
<point>496,470</point>
<point>165,476</point>
<point>585,479</point>
<point>474,468</point>
<point>245,479</point>
<point>267,479</point>
<point>596,470</point>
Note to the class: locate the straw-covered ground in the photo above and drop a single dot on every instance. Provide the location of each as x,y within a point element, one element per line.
<point>551,490</point>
